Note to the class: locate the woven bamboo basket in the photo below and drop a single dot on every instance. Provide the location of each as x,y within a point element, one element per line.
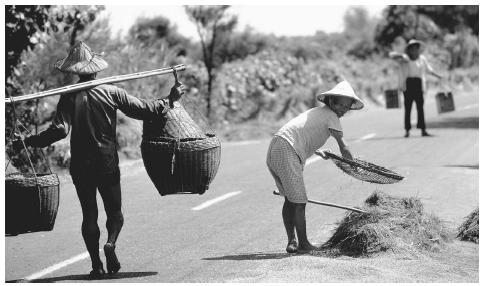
<point>33,202</point>
<point>178,156</point>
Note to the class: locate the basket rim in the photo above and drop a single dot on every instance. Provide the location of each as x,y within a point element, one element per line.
<point>31,174</point>
<point>210,136</point>
<point>29,180</point>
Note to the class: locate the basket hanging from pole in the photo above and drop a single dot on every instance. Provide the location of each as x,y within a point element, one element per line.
<point>31,203</point>
<point>31,200</point>
<point>178,156</point>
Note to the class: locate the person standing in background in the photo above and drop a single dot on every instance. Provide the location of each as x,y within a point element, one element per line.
<point>412,71</point>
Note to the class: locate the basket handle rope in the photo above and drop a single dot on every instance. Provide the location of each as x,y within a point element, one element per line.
<point>179,127</point>
<point>40,149</point>
<point>205,121</point>
<point>178,140</point>
<point>16,122</point>
<point>16,128</point>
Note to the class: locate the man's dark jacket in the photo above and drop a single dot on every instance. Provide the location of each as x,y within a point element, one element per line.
<point>91,117</point>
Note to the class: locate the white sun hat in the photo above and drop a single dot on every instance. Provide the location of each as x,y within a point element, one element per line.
<point>415,42</point>
<point>343,89</point>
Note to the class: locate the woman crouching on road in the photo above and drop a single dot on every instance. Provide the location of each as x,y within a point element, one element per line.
<point>294,143</point>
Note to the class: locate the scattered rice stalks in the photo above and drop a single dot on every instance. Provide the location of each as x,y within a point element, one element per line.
<point>392,223</point>
<point>469,229</point>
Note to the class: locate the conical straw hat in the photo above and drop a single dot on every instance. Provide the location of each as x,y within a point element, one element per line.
<point>343,89</point>
<point>81,60</point>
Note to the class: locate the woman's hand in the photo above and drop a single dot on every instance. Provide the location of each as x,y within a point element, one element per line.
<point>321,153</point>
<point>346,153</point>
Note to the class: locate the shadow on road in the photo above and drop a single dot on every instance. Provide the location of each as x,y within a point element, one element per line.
<point>84,277</point>
<point>251,256</point>
<point>455,122</point>
<point>387,138</point>
<point>474,167</point>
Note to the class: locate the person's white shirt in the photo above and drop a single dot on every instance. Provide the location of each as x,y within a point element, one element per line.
<point>413,68</point>
<point>310,130</point>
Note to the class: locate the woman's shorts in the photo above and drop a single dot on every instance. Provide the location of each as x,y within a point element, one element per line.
<point>287,170</point>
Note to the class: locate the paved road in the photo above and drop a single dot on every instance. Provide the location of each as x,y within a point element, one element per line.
<point>171,239</point>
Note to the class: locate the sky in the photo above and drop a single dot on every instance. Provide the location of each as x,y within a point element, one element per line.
<point>281,20</point>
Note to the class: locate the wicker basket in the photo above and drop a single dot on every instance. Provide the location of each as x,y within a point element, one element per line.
<point>32,202</point>
<point>178,156</point>
<point>364,171</point>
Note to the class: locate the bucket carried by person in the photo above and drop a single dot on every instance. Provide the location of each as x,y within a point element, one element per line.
<point>444,98</point>
<point>392,98</point>
<point>179,157</point>
<point>31,200</point>
<point>445,102</point>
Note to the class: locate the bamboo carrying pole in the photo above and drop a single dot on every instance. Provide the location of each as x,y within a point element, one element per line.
<point>329,204</point>
<point>91,83</point>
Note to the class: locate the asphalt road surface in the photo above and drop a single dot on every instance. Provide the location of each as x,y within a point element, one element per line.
<point>226,234</point>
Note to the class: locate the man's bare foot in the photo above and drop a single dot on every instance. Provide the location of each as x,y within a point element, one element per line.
<point>112,264</point>
<point>292,246</point>
<point>305,248</point>
<point>97,273</point>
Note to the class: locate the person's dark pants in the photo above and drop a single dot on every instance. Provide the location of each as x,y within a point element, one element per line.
<point>109,187</point>
<point>415,93</point>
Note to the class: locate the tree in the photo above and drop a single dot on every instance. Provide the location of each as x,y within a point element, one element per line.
<point>239,45</point>
<point>26,26</point>
<point>74,19</point>
<point>39,35</point>
<point>212,23</point>
<point>23,25</point>
<point>157,31</point>
<point>357,21</point>
<point>425,21</point>
<point>405,22</point>
<point>359,30</point>
<point>453,17</point>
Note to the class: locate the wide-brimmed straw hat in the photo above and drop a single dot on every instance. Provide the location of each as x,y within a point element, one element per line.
<point>343,89</point>
<point>415,42</point>
<point>81,60</point>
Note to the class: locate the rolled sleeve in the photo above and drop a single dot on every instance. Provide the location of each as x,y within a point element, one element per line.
<point>335,124</point>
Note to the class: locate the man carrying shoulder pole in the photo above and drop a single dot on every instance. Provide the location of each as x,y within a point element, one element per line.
<point>90,115</point>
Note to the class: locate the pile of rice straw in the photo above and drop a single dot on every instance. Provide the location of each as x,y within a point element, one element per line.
<point>391,223</point>
<point>469,229</point>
